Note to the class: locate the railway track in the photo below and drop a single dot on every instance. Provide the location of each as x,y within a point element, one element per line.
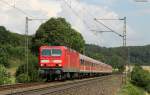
<point>47,90</point>
<point>18,85</point>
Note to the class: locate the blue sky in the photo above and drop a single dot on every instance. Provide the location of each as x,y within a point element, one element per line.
<point>137,13</point>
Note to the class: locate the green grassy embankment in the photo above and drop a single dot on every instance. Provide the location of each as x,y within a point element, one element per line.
<point>130,89</point>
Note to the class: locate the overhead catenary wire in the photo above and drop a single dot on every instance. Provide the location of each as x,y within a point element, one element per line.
<point>110,30</point>
<point>18,9</point>
<point>92,16</point>
<point>84,22</point>
<point>77,14</point>
<point>89,13</point>
<point>101,23</point>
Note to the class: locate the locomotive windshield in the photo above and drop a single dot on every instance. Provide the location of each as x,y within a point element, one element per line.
<point>46,52</point>
<point>56,52</point>
<point>51,52</point>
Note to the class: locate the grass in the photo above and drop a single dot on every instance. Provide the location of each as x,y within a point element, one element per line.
<point>13,79</point>
<point>14,64</point>
<point>130,89</point>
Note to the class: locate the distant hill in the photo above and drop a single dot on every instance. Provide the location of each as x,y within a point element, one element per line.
<point>134,54</point>
<point>6,37</point>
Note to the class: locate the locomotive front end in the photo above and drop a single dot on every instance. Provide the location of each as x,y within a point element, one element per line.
<point>50,57</point>
<point>51,62</point>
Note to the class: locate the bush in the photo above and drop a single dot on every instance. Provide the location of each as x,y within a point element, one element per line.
<point>140,77</point>
<point>23,78</point>
<point>148,88</point>
<point>4,76</point>
<point>130,89</point>
<point>16,52</point>
<point>4,57</point>
<point>32,69</point>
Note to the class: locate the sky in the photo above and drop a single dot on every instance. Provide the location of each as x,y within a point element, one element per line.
<point>81,14</point>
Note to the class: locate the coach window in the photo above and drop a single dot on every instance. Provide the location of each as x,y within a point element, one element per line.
<point>87,63</point>
<point>81,61</point>
<point>92,64</point>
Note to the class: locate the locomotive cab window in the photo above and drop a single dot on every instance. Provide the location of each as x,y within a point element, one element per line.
<point>46,52</point>
<point>56,52</point>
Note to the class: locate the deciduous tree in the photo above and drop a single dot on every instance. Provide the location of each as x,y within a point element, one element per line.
<point>58,32</point>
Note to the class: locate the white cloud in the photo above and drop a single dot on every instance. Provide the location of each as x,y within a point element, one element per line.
<point>15,20</point>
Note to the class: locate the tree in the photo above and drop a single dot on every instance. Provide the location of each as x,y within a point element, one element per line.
<point>57,31</point>
<point>4,57</point>
<point>4,38</point>
<point>116,62</point>
<point>4,76</point>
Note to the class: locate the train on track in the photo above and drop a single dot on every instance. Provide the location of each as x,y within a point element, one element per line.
<point>60,63</point>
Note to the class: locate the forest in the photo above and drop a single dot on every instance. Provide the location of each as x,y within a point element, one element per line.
<point>130,54</point>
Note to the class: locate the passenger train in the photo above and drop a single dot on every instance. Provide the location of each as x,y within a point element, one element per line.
<point>61,62</point>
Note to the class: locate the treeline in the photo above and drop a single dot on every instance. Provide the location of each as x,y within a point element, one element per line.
<point>119,55</point>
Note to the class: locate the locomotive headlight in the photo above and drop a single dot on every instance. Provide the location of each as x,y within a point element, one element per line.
<point>57,61</point>
<point>45,61</point>
<point>42,64</point>
<point>59,64</point>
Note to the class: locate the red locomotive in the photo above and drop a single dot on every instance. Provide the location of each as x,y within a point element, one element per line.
<point>60,62</point>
